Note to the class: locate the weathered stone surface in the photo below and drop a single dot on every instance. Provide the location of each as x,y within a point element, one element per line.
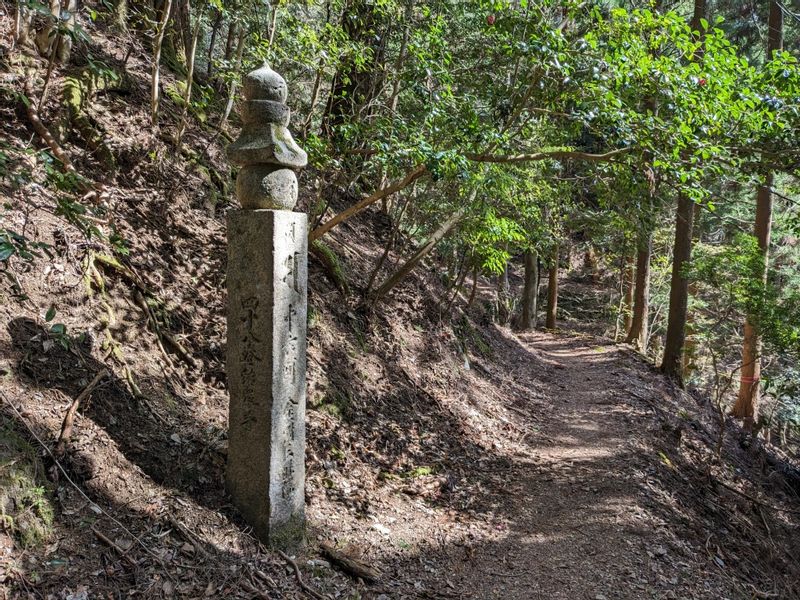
<point>265,148</point>
<point>264,84</point>
<point>265,111</point>
<point>266,366</point>
<point>270,144</point>
<point>267,186</point>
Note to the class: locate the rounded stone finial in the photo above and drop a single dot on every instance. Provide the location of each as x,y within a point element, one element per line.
<point>264,84</point>
<point>265,148</point>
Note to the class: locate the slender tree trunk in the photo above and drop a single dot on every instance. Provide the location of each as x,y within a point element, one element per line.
<point>120,15</point>
<point>183,24</point>
<point>388,248</point>
<point>590,264</point>
<point>314,96</point>
<point>412,262</point>
<point>530,291</point>
<point>690,348</point>
<point>672,363</point>
<point>156,73</point>
<point>187,94</point>
<point>232,89</point>
<point>230,40</point>
<point>552,292</point>
<point>273,25</point>
<point>401,57</point>
<point>627,295</point>
<point>22,23</point>
<point>746,407</point>
<point>410,178</point>
<point>459,285</point>
<point>474,291</point>
<point>213,42</point>
<point>503,297</point>
<point>355,84</point>
<point>637,334</point>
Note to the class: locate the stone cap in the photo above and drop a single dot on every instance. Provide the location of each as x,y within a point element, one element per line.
<point>264,84</point>
<point>270,144</point>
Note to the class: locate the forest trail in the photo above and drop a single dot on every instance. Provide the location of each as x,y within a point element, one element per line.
<point>583,530</point>
<point>586,512</point>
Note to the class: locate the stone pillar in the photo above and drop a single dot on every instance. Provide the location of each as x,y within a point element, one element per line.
<point>266,363</point>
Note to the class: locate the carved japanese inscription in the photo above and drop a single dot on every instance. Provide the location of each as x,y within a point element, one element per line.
<point>266,369</point>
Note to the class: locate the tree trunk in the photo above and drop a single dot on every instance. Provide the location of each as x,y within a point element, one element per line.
<point>120,15</point>
<point>237,68</point>
<point>354,85</point>
<point>156,73</point>
<point>412,262</point>
<point>676,356</point>
<point>690,348</point>
<point>628,294</point>
<point>348,212</point>
<point>213,42</point>
<point>637,334</point>
<point>746,407</point>
<point>183,26</point>
<point>530,291</point>
<point>552,292</point>
<point>230,41</point>
<point>503,297</point>
<point>50,41</point>
<point>590,264</point>
<point>187,93</point>
<point>672,363</point>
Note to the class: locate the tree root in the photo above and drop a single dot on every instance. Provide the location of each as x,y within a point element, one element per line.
<point>69,417</point>
<point>74,95</point>
<point>355,568</point>
<point>140,295</point>
<point>331,264</point>
<point>43,132</point>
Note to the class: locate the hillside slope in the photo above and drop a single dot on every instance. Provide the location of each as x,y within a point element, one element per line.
<point>458,457</point>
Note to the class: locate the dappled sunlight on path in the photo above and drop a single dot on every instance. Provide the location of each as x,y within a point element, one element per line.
<point>579,522</point>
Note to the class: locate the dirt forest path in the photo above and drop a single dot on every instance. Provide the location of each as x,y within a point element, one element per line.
<point>585,513</point>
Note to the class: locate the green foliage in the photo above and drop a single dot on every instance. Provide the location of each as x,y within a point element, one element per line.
<point>15,244</point>
<point>784,387</point>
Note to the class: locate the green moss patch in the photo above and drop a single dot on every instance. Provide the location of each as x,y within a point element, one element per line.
<point>25,508</point>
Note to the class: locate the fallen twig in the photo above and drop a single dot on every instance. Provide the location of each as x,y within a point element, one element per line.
<point>190,537</point>
<point>254,590</point>
<point>756,500</point>
<point>66,426</point>
<point>122,553</point>
<point>299,576</point>
<point>352,566</point>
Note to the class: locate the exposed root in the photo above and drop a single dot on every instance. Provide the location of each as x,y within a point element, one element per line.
<point>69,417</point>
<point>140,295</point>
<point>330,262</point>
<point>74,95</point>
<point>43,132</point>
